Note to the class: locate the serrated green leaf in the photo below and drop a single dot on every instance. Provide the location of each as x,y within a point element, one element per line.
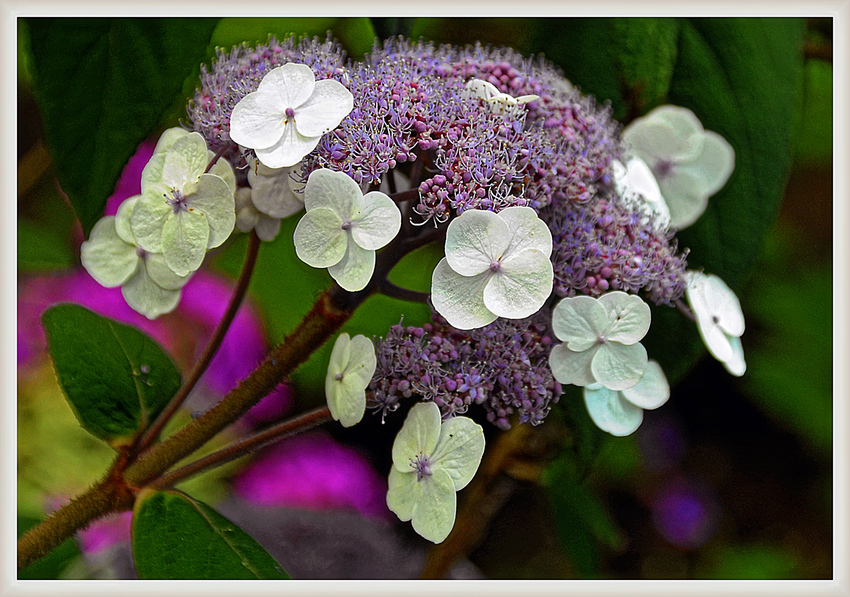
<point>102,85</point>
<point>178,538</point>
<point>53,564</point>
<point>115,377</point>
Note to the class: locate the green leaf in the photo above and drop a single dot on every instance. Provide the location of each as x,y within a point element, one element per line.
<point>176,537</point>
<point>742,78</point>
<point>53,564</point>
<point>42,248</point>
<point>102,85</point>
<point>582,521</point>
<point>115,377</point>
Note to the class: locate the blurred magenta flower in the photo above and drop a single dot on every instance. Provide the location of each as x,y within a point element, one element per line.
<point>106,532</point>
<point>315,472</point>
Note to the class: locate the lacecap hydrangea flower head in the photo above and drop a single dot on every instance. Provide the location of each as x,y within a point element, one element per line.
<point>556,232</point>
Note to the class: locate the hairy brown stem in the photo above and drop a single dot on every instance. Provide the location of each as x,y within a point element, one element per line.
<point>246,445</point>
<point>210,351</point>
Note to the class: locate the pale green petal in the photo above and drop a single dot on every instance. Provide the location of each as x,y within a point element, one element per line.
<point>346,401</point>
<point>152,174</point>
<point>184,241</point>
<point>419,435</point>
<point>459,450</point>
<point>319,239</point>
<point>340,355</point>
<point>214,199</point>
<point>335,191</point>
<point>460,299</point>
<point>161,274</point>
<point>168,138</point>
<point>106,257</point>
<point>148,298</point>
<point>122,219</point>
<point>325,109</point>
<point>362,362</point>
<point>521,286</point>
<point>570,367</point>
<point>434,512</point>
<point>685,197</point>
<point>347,378</point>
<point>379,221</point>
<point>714,164</point>
<point>403,492</point>
<point>579,321</point>
<point>526,230</point>
<point>618,366</point>
<point>185,161</point>
<point>651,391</point>
<point>148,220</point>
<point>611,413</point>
<point>223,170</point>
<point>475,240</point>
<point>629,317</point>
<point>355,269</point>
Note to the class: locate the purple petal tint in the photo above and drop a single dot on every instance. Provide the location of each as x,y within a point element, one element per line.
<point>105,533</point>
<point>315,472</point>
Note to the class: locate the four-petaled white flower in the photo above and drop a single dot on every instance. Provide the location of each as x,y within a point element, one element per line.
<point>719,319</point>
<point>343,228</point>
<point>112,257</point>
<point>689,163</point>
<point>284,119</point>
<point>274,194</point>
<point>350,370</point>
<point>496,265</point>
<point>431,462</point>
<point>184,211</point>
<point>601,340</point>
<point>637,186</point>
<point>498,101</point>
<point>621,413</point>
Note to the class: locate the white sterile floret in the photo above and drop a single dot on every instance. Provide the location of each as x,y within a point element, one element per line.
<point>719,319</point>
<point>639,189</point>
<point>343,228</point>
<point>184,211</point>
<point>112,257</point>
<point>496,265</point>
<point>498,100</point>
<point>350,370</point>
<point>601,340</point>
<point>283,120</point>
<point>621,413</point>
<point>274,191</point>
<point>689,163</point>
<point>248,217</point>
<point>431,462</point>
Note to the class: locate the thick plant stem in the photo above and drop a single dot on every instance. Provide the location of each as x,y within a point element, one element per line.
<point>211,349</point>
<point>321,323</point>
<point>246,445</point>
<point>104,497</point>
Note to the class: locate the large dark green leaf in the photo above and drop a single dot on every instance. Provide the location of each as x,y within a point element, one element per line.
<point>102,85</point>
<point>178,538</point>
<point>115,377</point>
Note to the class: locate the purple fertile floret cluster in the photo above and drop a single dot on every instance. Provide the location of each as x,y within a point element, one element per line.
<point>502,367</point>
<point>605,246</point>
